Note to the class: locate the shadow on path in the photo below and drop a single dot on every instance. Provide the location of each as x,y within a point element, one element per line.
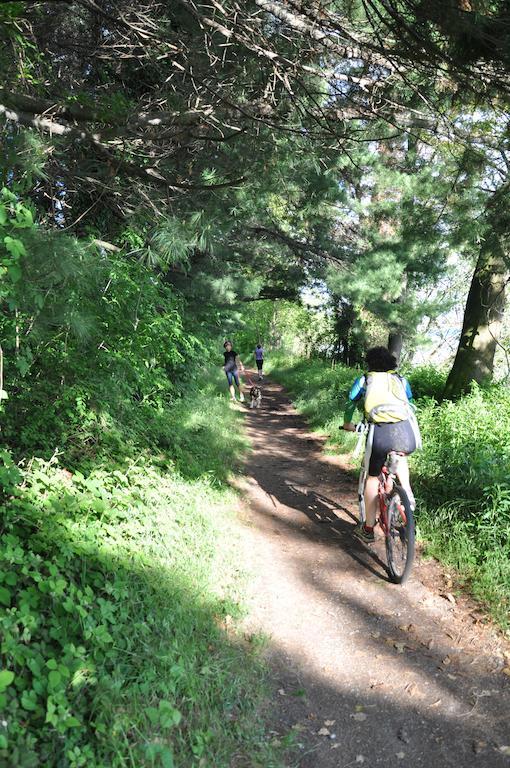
<point>403,676</point>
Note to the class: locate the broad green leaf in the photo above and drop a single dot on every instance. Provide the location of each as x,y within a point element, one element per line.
<point>14,272</point>
<point>14,246</point>
<point>6,678</point>
<point>167,758</point>
<point>8,195</point>
<point>24,218</point>
<point>29,701</point>
<point>5,596</point>
<point>168,715</point>
<point>153,714</point>
<point>54,678</point>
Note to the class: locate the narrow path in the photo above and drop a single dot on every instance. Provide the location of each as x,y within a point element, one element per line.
<point>366,672</point>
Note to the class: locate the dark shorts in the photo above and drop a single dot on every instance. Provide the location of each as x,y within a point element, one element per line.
<point>390,437</point>
<point>233,377</point>
<point>260,363</point>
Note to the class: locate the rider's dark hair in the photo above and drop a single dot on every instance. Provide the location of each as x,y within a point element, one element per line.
<point>227,342</point>
<point>380,359</point>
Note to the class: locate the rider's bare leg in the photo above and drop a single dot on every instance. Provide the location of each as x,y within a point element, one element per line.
<point>371,493</point>
<point>403,476</point>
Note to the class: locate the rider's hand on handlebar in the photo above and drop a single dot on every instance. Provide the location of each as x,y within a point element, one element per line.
<point>349,427</point>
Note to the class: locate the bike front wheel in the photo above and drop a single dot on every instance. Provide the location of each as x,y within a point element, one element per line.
<point>400,535</point>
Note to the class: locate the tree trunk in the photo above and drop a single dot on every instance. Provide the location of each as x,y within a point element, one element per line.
<point>485,304</point>
<point>395,342</point>
<point>344,318</point>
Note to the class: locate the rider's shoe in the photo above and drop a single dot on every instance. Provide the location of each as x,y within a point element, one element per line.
<point>361,532</point>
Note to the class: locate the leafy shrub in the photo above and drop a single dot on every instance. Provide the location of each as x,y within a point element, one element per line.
<point>426,381</point>
<point>463,486</point>
<point>115,587</point>
<point>319,391</point>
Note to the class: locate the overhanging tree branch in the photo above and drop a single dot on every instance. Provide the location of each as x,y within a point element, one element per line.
<point>149,174</point>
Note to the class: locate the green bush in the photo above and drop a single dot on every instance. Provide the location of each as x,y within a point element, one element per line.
<point>426,381</point>
<point>118,585</point>
<point>319,391</point>
<point>463,485</point>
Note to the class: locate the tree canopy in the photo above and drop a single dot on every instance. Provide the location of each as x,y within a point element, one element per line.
<point>215,155</point>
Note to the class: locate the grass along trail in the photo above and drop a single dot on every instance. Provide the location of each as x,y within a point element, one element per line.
<point>365,672</point>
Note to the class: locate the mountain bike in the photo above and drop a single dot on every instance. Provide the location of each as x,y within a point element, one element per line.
<point>395,518</point>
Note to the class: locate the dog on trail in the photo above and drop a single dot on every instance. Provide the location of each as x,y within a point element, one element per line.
<point>255,397</point>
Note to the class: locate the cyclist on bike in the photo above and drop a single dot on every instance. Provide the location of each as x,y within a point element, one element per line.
<point>386,398</point>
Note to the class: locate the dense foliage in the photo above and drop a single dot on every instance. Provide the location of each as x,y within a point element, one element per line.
<point>316,177</point>
<point>119,588</point>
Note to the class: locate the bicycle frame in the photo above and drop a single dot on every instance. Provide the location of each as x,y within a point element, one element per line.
<point>387,478</point>
<point>395,515</point>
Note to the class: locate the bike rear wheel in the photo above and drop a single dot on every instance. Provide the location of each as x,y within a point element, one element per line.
<point>400,535</point>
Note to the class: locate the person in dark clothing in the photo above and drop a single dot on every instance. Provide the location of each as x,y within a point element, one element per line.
<point>231,367</point>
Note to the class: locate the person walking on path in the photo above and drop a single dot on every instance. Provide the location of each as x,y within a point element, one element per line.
<point>259,359</point>
<point>231,367</point>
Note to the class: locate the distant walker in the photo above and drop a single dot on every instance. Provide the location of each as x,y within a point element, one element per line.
<point>259,359</point>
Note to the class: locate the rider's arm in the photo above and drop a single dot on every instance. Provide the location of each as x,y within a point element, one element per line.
<point>239,363</point>
<point>356,394</point>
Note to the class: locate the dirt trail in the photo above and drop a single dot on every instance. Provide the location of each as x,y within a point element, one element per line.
<point>399,676</point>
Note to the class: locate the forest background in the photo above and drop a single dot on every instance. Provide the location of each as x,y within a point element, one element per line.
<point>316,176</point>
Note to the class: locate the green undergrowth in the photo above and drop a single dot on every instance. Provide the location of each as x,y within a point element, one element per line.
<point>120,594</point>
<point>460,478</point>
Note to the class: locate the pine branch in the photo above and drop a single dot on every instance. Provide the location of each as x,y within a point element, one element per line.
<point>48,109</point>
<point>149,174</point>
